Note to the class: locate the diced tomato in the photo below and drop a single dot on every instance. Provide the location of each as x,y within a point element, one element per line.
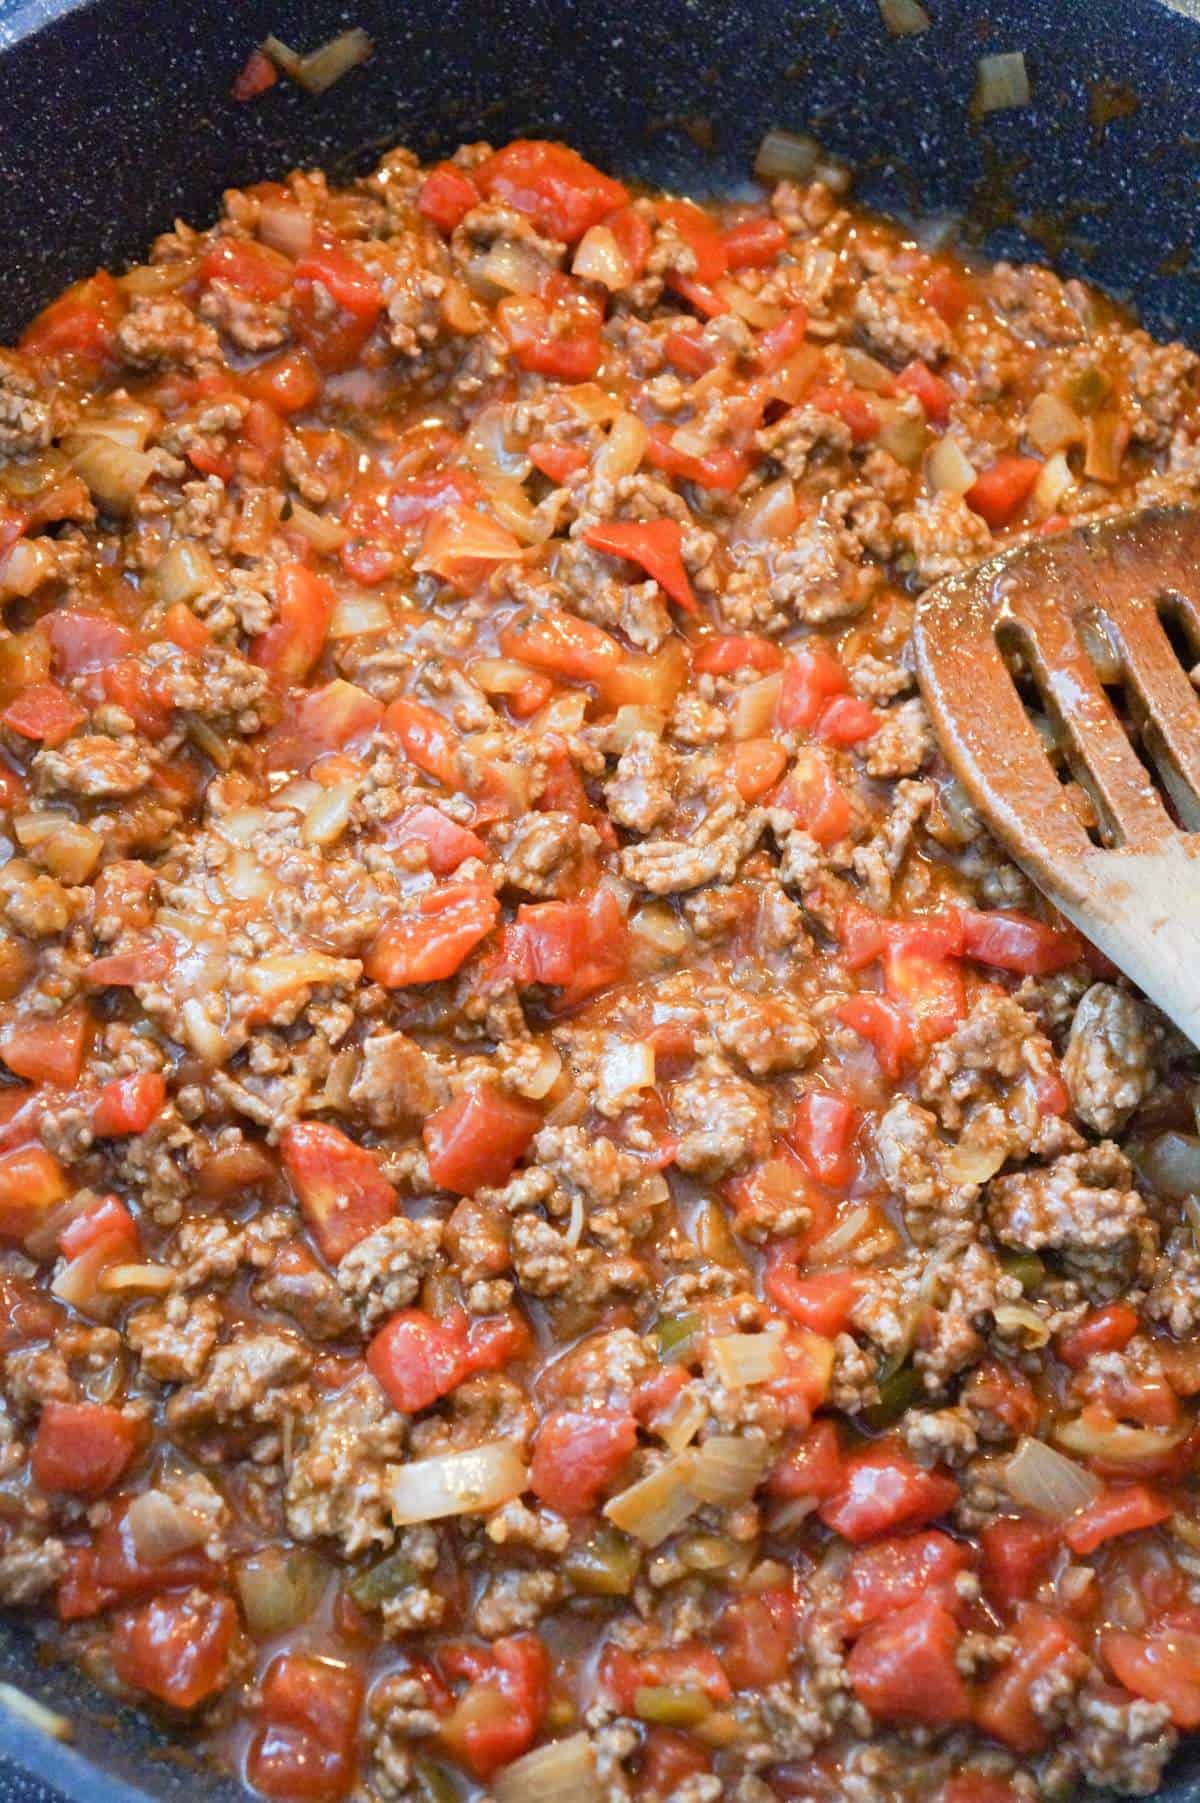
<point>317,721</point>
<point>104,1223</point>
<point>79,326</point>
<point>689,351</point>
<point>499,1716</point>
<point>852,408</point>
<point>342,1192</point>
<point>82,1448</point>
<point>464,547</point>
<point>812,1467</point>
<point>579,946</point>
<point>903,1668</point>
<point>723,469</point>
<point>563,645</point>
<point>47,1051</point>
<point>1123,1509</point>
<point>122,1568</point>
<point>45,712</point>
<point>429,740</point>
<point>1006,1393</point>
<point>289,383</point>
<point>822,1302</point>
<point>122,970</point>
<point>291,645</point>
<point>303,1746</point>
<point>476,1140</point>
<point>432,936</point>
<point>31,1182</point>
<point>999,491</point>
<point>185,629</point>
<point>935,395</point>
<point>928,988</point>
<point>883,1025</point>
<point>1162,1666</point>
<point>947,293</point>
<point>821,1133</point>
<point>176,1648</point>
<point>757,1637</point>
<point>689,1666</point>
<point>256,75</point>
<point>555,332</point>
<point>558,461</point>
<point>1004,1706</point>
<point>1107,1329</point>
<point>494,1341</point>
<point>550,184</point>
<point>892,1574</point>
<point>846,721</point>
<point>882,1490</point>
<point>811,679</point>
<point>1011,941</point>
<point>577,1455</point>
<point>780,342</point>
<point>447,844</point>
<point>81,641</point>
<point>753,243</point>
<point>757,766</point>
<point>417,1359</point>
<point>446,196</point>
<point>654,544</point>
<point>329,273</point>
<point>80,1594</point>
<point>667,1757</point>
<point>810,792</point>
<point>975,1787</point>
<point>722,653</point>
<point>252,268</point>
<point>129,1104</point>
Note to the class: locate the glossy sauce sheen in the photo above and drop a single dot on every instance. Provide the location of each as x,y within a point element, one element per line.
<point>554,1185</point>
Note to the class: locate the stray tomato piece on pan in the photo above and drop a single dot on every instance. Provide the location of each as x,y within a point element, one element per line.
<point>342,1192</point>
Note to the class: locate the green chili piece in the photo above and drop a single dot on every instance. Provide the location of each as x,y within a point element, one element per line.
<point>897,1392</point>
<point>675,1335</point>
<point>606,1564</point>
<point>1089,389</point>
<point>1028,1269</point>
<point>671,1705</point>
<point>382,1581</point>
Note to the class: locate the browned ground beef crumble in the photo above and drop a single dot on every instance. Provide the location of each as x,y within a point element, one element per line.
<point>556,1188</point>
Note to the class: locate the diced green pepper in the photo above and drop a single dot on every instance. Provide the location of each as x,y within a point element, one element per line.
<point>1088,389</point>
<point>1027,1268</point>
<point>897,1392</point>
<point>382,1581</point>
<point>675,1335</point>
<point>606,1564</point>
<point>671,1705</point>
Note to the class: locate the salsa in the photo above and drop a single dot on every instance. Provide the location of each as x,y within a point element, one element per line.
<point>569,1225</point>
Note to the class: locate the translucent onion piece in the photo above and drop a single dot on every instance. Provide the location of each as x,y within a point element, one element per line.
<point>24,568</point>
<point>1170,1164</point>
<point>354,614</point>
<point>1054,481</point>
<point>831,1246</point>
<point>114,473</point>
<point>277,1589</point>
<point>563,1772</point>
<point>770,514</point>
<point>728,1469</point>
<point>904,18</point>
<point>456,1483</point>
<point>1117,1444</point>
<point>329,816</point>
<point>322,534</point>
<point>599,258</point>
<point>949,469</point>
<point>145,1280</point>
<point>487,447</point>
<point>966,1163</point>
<point>630,720</point>
<point>1040,1478</point>
<point>660,932</point>
<point>786,156</point>
<point>183,573</point>
<point>285,226</point>
<point>657,1505</point>
<point>159,1527</point>
<point>865,371</point>
<point>1051,424</point>
<point>754,709</point>
<point>35,1714</point>
<point>1003,82</point>
<point>539,1079</point>
<point>514,267</point>
<point>323,66</point>
<point>626,1067</point>
<point>622,450</point>
<point>684,1422</point>
<point>741,1359</point>
<point>1021,1321</point>
<point>757,313</point>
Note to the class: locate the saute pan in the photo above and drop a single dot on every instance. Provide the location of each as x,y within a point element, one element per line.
<point>115,118</point>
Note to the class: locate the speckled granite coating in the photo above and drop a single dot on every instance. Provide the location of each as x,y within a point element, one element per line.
<point>115,118</point>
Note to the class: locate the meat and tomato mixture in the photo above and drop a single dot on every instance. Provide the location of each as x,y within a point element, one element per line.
<point>572,1228</point>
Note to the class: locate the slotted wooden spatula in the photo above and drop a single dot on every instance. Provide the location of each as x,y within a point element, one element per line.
<point>1133,886</point>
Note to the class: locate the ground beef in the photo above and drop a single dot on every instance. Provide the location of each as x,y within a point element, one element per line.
<point>1110,1065</point>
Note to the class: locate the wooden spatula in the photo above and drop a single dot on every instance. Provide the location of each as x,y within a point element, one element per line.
<point>1080,617</point>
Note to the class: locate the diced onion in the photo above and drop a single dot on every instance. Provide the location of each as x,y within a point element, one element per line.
<point>329,816</point>
<point>1116,1443</point>
<point>540,1078</point>
<point>513,267</point>
<point>741,1359</point>
<point>754,708</point>
<point>146,1280</point>
<point>29,1710</point>
<point>78,1283</point>
<point>123,422</point>
<point>285,226</point>
<point>185,571</point>
<point>966,1163</point>
<point>290,971</point>
<point>355,614</point>
<point>1054,480</point>
<point>757,313</point>
<point>1021,1321</point>
<point>323,534</point>
<point>1003,82</point>
<point>630,720</point>
<point>456,1483</point>
<point>684,1422</point>
<point>657,1505</point>
<point>1040,1478</point>
<point>1104,446</point>
<point>902,433</point>
<point>159,1527</point>
<point>865,371</point>
<point>599,258</point>
<point>660,932</point>
<point>277,1589</point>
<point>563,1772</point>
<point>728,1468</point>
<point>323,66</point>
<point>769,514</point>
<point>786,156</point>
<point>622,450</point>
<point>114,473</point>
<point>626,1067</point>
<point>1170,1164</point>
<point>904,18</point>
<point>25,566</point>
<point>1051,424</point>
<point>830,1247</point>
<point>949,469</point>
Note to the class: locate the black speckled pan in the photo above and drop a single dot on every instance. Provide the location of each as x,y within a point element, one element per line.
<point>115,118</point>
